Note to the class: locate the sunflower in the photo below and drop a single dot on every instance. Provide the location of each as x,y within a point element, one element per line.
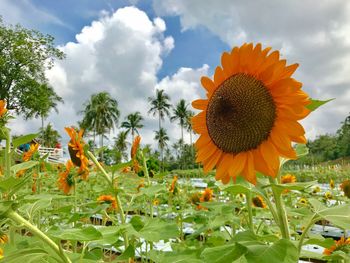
<point>288,178</point>
<point>207,195</point>
<point>328,195</point>
<point>331,184</point>
<point>4,239</point>
<point>345,186</point>
<point>142,184</point>
<point>250,116</point>
<point>302,201</point>
<point>32,150</point>
<point>173,185</point>
<point>195,198</point>
<point>3,109</point>
<point>258,201</point>
<point>126,169</point>
<point>316,190</point>
<point>135,146</point>
<point>108,199</point>
<point>342,244</point>
<point>65,180</point>
<point>76,151</point>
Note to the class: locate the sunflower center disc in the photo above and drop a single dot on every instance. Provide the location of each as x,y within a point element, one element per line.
<point>240,114</point>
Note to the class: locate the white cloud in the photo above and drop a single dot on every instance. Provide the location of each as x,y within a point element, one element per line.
<point>120,53</point>
<point>316,35</point>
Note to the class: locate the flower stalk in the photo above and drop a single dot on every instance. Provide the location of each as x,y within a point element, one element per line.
<point>281,212</point>
<point>36,231</point>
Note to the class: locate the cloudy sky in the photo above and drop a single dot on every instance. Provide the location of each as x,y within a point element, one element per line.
<point>130,48</point>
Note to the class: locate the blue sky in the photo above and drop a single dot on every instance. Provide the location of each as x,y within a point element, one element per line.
<point>130,48</point>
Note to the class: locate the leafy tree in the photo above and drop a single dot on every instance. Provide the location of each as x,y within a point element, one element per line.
<point>101,114</point>
<point>41,101</point>
<point>24,56</point>
<point>160,106</point>
<point>49,136</point>
<point>121,145</point>
<point>344,137</point>
<point>180,114</point>
<point>132,123</point>
<point>162,138</point>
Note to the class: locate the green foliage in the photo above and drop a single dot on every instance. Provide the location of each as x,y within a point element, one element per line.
<point>24,56</point>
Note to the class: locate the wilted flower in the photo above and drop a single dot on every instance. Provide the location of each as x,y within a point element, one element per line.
<point>108,199</point>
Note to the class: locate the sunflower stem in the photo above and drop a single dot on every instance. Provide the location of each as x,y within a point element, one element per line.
<point>250,210</point>
<point>306,230</point>
<point>36,231</point>
<point>110,182</point>
<point>281,212</point>
<point>7,153</point>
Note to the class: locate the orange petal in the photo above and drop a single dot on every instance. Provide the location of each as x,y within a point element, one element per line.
<point>205,153</point>
<point>212,161</point>
<point>227,64</point>
<point>200,104</point>
<point>238,163</point>
<point>261,166</point>
<point>270,154</point>
<point>235,59</point>
<point>248,170</point>
<point>219,76</point>
<point>288,71</point>
<point>208,84</point>
<point>223,166</point>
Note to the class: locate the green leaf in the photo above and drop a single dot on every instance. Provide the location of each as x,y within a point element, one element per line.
<point>157,229</point>
<point>223,254</point>
<point>23,166</point>
<point>317,103</point>
<point>281,251</point>
<point>295,186</point>
<point>30,255</point>
<point>128,253</point>
<point>338,215</point>
<point>84,234</point>
<point>152,190</point>
<point>10,183</point>
<point>24,139</point>
<point>237,189</point>
<point>301,150</point>
<point>32,209</point>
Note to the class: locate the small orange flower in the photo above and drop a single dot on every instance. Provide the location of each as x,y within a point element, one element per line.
<point>65,180</point>
<point>173,185</point>
<point>20,173</point>
<point>76,151</point>
<point>258,201</point>
<point>207,195</point>
<point>345,186</point>
<point>342,244</point>
<point>33,149</point>
<point>4,239</point>
<point>108,199</point>
<point>288,178</point>
<point>142,184</point>
<point>3,109</point>
<point>135,146</point>
<point>126,170</point>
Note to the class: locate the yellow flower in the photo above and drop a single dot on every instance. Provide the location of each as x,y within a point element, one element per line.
<point>345,186</point>
<point>1,253</point>
<point>317,189</point>
<point>173,184</point>
<point>342,244</point>
<point>33,149</point>
<point>4,239</point>
<point>288,178</point>
<point>328,195</point>
<point>258,201</point>
<point>76,151</point>
<point>302,201</point>
<point>135,146</point>
<point>142,184</point>
<point>331,184</point>
<point>3,109</point>
<point>156,202</point>
<point>250,116</point>
<point>108,199</point>
<point>207,195</point>
<point>66,180</point>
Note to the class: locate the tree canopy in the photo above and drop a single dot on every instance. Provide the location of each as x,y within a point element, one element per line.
<point>24,56</point>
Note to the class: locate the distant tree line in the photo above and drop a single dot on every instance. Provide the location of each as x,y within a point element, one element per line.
<point>329,146</point>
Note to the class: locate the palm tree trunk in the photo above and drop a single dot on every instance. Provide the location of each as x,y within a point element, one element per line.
<point>101,148</point>
<point>192,149</point>
<point>182,146</point>
<point>162,157</point>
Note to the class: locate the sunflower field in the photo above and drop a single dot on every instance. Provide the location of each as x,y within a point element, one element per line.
<point>249,205</point>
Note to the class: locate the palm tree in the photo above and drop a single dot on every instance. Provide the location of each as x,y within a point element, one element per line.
<point>190,130</point>
<point>159,105</point>
<point>101,114</point>
<point>121,144</point>
<point>133,123</point>
<point>162,138</point>
<point>49,136</point>
<point>180,114</point>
